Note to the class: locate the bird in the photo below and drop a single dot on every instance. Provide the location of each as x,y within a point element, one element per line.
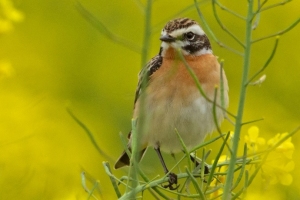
<point>170,96</point>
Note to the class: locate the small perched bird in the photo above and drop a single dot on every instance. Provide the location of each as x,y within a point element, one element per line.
<point>172,101</point>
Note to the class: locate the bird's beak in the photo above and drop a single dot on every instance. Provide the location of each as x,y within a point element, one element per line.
<point>167,38</point>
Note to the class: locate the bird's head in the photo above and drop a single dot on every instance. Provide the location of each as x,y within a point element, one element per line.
<point>185,34</point>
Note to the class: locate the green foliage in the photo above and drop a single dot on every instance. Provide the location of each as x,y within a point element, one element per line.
<point>55,56</point>
<point>228,189</point>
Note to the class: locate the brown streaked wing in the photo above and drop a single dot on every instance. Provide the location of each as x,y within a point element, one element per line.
<point>147,71</point>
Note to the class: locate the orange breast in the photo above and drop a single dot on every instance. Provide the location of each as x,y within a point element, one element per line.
<point>172,100</point>
<point>173,77</point>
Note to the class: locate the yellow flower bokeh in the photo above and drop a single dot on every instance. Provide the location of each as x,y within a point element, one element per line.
<point>8,15</point>
<point>6,69</point>
<point>56,56</point>
<point>279,164</point>
<point>220,179</point>
<point>253,140</point>
<point>286,148</point>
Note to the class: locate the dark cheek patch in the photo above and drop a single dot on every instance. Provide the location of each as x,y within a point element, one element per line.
<point>200,42</point>
<point>192,48</point>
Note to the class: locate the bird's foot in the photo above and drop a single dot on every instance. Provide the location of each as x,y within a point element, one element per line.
<point>172,181</point>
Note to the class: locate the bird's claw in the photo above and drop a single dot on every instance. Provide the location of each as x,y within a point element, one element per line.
<point>172,181</point>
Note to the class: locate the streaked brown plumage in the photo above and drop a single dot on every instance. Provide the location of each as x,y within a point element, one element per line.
<point>172,100</point>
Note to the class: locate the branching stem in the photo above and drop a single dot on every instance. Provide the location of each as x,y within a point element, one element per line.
<point>242,98</point>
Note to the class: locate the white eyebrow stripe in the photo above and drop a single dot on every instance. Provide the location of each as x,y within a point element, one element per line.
<point>163,33</point>
<point>194,28</point>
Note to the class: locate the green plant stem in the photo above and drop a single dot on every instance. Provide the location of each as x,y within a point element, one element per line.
<point>223,26</point>
<point>214,166</point>
<point>184,148</point>
<point>293,25</point>
<point>147,33</point>
<point>267,62</point>
<point>90,192</point>
<point>243,89</point>
<point>133,174</point>
<point>275,5</point>
<point>89,134</point>
<point>112,179</point>
<point>157,184</point>
<point>212,33</point>
<point>104,30</point>
<point>230,11</point>
<point>198,84</point>
<point>196,185</point>
<point>137,131</point>
<point>141,173</point>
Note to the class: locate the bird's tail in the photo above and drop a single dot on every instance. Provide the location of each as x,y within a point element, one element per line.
<point>124,159</point>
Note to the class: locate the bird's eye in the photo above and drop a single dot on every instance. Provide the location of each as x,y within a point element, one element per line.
<point>190,35</point>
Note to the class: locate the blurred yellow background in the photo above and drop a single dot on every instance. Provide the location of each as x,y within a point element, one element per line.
<point>54,59</point>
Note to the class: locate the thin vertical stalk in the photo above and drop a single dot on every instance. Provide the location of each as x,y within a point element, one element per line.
<point>243,89</point>
<point>136,133</point>
<point>147,33</point>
